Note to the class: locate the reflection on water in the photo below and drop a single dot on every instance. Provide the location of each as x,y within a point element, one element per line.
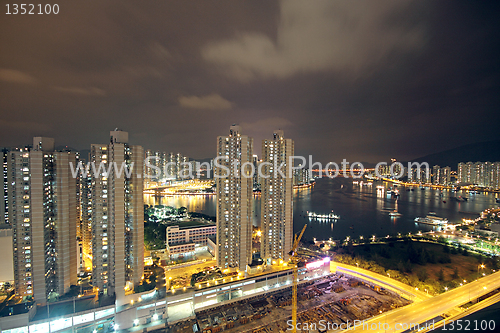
<point>195,203</point>
<point>364,210</point>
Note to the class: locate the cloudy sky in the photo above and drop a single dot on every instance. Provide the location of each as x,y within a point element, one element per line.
<point>361,80</point>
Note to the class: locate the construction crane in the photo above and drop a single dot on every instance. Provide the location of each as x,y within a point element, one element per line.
<point>294,261</point>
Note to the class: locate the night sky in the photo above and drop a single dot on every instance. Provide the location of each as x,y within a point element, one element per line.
<point>361,80</point>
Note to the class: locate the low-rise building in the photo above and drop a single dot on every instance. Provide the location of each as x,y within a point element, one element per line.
<point>212,245</point>
<point>185,241</point>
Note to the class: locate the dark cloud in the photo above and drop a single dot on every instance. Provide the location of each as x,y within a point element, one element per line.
<point>15,76</point>
<point>323,35</point>
<point>208,102</point>
<point>357,80</point>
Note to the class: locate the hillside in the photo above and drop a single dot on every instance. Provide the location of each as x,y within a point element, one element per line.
<point>481,151</point>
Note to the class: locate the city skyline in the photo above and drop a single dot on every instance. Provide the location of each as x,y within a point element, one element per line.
<point>336,160</point>
<point>343,80</point>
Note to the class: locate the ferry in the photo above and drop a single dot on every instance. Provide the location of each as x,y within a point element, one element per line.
<point>330,216</point>
<point>432,219</point>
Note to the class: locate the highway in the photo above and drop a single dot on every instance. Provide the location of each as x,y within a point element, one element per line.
<point>381,280</point>
<point>476,307</point>
<point>420,312</point>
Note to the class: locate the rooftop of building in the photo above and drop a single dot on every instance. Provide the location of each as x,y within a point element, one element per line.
<point>193,224</point>
<point>15,309</point>
<point>181,243</point>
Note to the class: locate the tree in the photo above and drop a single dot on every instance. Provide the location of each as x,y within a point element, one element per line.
<point>455,273</point>
<point>182,211</point>
<point>493,262</point>
<point>432,258</point>
<point>401,267</point>
<point>422,274</point>
<point>445,259</point>
<point>440,275</point>
<point>385,253</point>
<point>408,266</point>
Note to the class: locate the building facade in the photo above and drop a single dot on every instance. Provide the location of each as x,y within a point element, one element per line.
<point>4,207</point>
<point>441,176</point>
<point>185,240</point>
<point>234,200</point>
<point>483,174</point>
<point>86,220</point>
<point>162,166</point>
<point>276,199</point>
<point>43,213</point>
<point>117,215</point>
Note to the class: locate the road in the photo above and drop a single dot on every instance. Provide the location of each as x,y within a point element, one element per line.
<point>378,279</point>
<point>474,308</point>
<point>420,312</point>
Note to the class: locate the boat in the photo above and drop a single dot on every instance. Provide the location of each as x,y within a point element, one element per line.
<point>432,219</point>
<point>330,216</point>
<point>395,214</point>
<point>394,193</point>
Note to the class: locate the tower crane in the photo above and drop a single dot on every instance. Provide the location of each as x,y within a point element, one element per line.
<point>294,261</point>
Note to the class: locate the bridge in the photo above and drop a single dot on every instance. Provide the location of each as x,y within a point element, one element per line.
<point>423,308</point>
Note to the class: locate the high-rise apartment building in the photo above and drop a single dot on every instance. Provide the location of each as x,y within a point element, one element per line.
<point>436,170</point>
<point>495,175</point>
<point>461,173</point>
<point>484,174</point>
<point>162,166</point>
<point>276,198</point>
<point>441,176</point>
<point>86,220</point>
<point>445,176</point>
<point>4,207</point>
<point>118,218</point>
<point>234,200</point>
<point>256,179</point>
<point>43,214</point>
<point>301,176</point>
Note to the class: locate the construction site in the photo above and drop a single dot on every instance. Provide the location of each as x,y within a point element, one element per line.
<point>335,299</point>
